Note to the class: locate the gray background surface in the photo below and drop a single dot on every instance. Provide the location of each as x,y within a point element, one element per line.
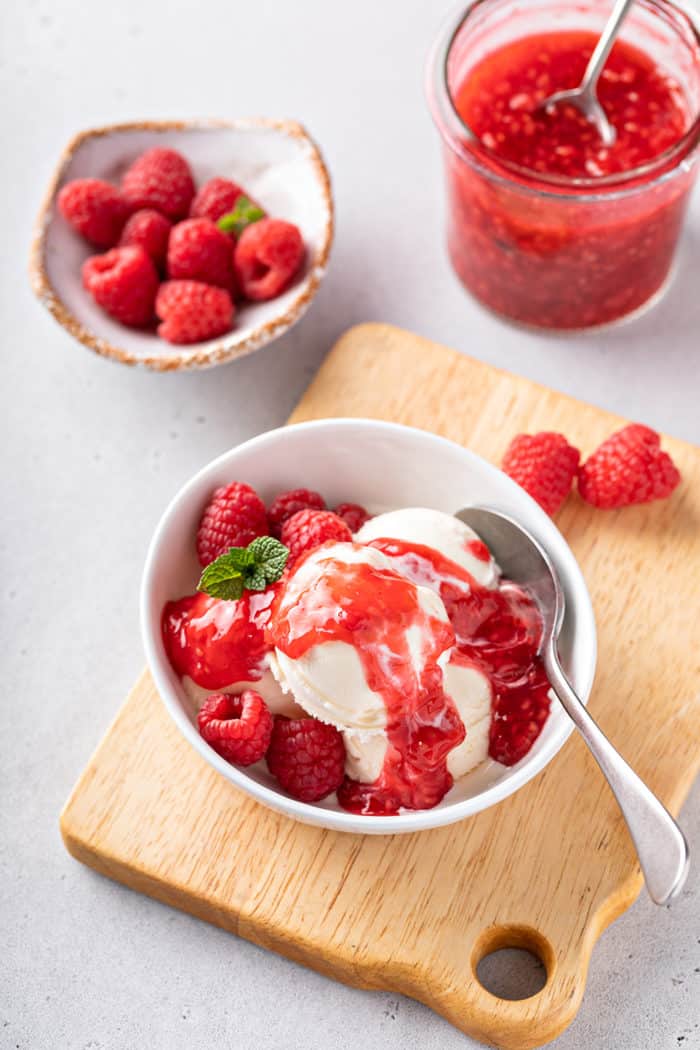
<point>92,451</point>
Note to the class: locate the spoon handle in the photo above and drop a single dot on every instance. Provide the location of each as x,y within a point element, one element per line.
<point>661,846</point>
<point>604,45</point>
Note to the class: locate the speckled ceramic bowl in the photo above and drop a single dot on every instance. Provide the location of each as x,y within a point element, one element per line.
<point>278,164</point>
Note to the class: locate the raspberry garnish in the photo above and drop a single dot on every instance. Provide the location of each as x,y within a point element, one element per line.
<point>353,515</point>
<point>214,199</point>
<point>123,282</point>
<point>237,727</point>
<point>629,467</point>
<point>233,518</point>
<point>267,257</point>
<point>199,251</point>
<point>160,179</point>
<point>544,465</point>
<point>148,229</point>
<point>192,311</point>
<point>95,209</point>
<point>308,529</point>
<point>307,757</point>
<point>289,503</point>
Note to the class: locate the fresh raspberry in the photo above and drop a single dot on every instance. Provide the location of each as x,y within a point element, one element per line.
<point>234,516</point>
<point>123,282</point>
<point>199,251</point>
<point>628,468</point>
<point>289,503</point>
<point>518,720</point>
<point>307,757</point>
<point>192,311</point>
<point>214,199</point>
<point>237,727</point>
<point>161,179</point>
<point>353,515</point>
<point>267,256</point>
<point>308,529</point>
<point>95,209</point>
<point>148,229</point>
<point>544,465</point>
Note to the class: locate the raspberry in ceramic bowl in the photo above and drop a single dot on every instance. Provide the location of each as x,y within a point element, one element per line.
<point>184,194</point>
<point>363,463</point>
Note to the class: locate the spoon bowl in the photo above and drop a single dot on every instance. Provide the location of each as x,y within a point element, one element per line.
<point>661,846</point>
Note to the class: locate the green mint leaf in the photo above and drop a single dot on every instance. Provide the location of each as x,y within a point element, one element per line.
<point>240,569</point>
<point>270,557</point>
<point>222,579</point>
<point>244,213</point>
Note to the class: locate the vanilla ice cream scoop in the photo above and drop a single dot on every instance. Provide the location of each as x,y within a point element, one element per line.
<point>344,604</point>
<point>433,528</point>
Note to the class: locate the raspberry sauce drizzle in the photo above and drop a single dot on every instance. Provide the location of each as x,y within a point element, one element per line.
<point>374,609</point>
<point>217,642</point>
<point>498,632</point>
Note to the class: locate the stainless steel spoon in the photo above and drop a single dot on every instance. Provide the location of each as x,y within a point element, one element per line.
<point>660,843</point>
<point>585,96</point>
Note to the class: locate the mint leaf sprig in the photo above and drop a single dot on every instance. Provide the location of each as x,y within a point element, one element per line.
<point>244,213</point>
<point>251,568</point>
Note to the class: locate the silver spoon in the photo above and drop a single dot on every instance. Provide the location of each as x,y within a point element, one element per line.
<point>585,96</point>
<point>660,843</point>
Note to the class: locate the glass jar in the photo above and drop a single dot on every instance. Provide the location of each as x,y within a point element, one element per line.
<point>553,251</point>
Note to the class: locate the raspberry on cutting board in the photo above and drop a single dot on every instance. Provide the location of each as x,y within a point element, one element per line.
<point>199,251</point>
<point>95,209</point>
<point>150,230</point>
<point>191,311</point>
<point>629,467</point>
<point>234,517</point>
<point>238,727</point>
<point>307,757</point>
<point>161,179</point>
<point>124,282</point>
<point>289,503</point>
<point>308,529</point>
<point>543,464</point>
<point>267,257</point>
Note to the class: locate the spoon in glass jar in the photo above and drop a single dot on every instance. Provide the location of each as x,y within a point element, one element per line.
<point>585,96</point>
<point>661,846</point>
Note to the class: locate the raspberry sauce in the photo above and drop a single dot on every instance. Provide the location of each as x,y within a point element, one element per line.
<point>380,614</point>
<point>498,632</point>
<point>217,642</point>
<point>500,103</point>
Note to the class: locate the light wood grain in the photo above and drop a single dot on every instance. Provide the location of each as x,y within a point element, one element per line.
<point>550,867</point>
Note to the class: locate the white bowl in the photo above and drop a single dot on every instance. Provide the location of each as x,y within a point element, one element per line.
<point>275,161</point>
<point>380,465</point>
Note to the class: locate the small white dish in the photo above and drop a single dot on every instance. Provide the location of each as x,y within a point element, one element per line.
<point>380,465</point>
<point>275,161</point>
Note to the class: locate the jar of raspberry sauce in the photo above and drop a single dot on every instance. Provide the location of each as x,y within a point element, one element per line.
<point>546,226</point>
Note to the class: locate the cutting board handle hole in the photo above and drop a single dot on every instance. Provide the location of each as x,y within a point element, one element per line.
<point>512,962</point>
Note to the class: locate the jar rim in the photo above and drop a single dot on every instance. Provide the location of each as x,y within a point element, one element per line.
<point>465,143</point>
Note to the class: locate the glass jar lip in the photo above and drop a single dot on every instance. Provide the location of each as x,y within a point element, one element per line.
<point>462,140</point>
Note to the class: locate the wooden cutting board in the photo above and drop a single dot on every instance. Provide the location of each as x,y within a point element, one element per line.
<point>547,869</point>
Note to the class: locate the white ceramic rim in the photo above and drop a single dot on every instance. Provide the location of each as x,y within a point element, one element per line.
<point>340,820</point>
